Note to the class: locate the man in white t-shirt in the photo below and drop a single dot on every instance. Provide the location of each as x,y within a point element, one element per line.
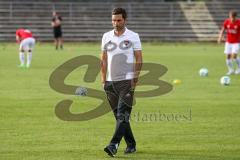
<point>121,62</point>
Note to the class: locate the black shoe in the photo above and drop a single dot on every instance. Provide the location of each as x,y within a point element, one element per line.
<point>130,150</point>
<point>110,150</point>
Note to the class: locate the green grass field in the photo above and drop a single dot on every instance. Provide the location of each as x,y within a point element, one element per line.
<point>30,130</point>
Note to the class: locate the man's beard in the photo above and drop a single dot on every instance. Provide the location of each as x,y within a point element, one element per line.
<point>118,28</point>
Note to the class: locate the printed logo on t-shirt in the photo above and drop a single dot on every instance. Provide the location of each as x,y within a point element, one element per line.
<point>110,46</point>
<point>126,44</point>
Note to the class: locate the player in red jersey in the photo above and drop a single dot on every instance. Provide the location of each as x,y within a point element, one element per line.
<point>232,26</point>
<point>27,42</point>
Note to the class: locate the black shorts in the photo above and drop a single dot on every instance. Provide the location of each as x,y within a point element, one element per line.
<point>119,94</point>
<point>57,32</point>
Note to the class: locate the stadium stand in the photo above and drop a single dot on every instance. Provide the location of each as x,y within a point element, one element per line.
<point>154,20</point>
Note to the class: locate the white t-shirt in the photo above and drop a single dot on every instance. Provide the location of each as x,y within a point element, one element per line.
<point>120,53</point>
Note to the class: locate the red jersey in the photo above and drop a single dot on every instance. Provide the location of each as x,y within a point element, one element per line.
<point>23,33</point>
<point>233,30</point>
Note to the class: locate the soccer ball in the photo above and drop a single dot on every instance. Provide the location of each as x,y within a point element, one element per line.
<point>225,80</point>
<point>203,72</point>
<point>81,91</point>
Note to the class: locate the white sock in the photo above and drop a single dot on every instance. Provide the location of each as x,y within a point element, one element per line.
<point>237,60</point>
<point>29,58</point>
<point>21,58</point>
<point>229,64</point>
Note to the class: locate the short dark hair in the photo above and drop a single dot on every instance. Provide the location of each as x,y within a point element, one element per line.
<point>121,11</point>
<point>233,13</point>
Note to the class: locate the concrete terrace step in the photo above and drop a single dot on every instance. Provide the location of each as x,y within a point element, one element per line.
<point>96,27</point>
<point>88,20</point>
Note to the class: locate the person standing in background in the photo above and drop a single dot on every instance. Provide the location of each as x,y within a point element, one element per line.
<point>232,26</point>
<point>26,40</point>
<point>57,30</point>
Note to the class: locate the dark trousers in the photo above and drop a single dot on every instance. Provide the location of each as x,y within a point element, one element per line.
<point>120,97</point>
